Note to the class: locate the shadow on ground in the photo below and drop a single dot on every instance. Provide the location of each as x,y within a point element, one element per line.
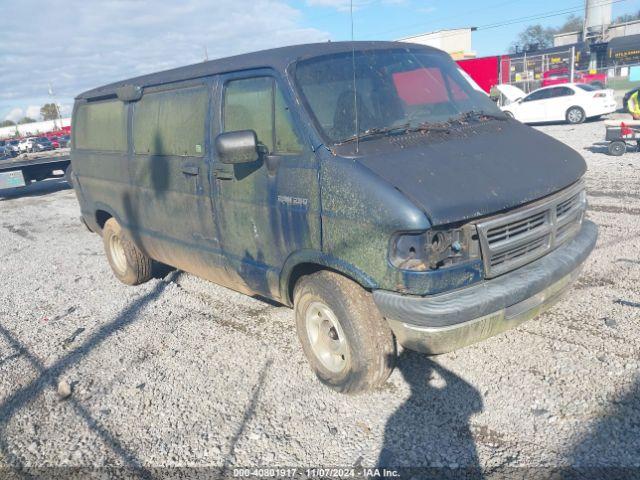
<point>48,377</point>
<point>432,427</point>
<point>610,447</point>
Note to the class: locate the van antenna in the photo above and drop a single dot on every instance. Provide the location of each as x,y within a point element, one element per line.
<point>355,92</point>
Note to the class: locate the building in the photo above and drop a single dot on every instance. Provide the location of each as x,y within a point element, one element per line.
<point>456,42</point>
<point>612,31</point>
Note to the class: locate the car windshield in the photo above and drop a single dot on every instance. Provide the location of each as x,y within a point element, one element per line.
<point>43,139</point>
<point>586,88</point>
<point>396,89</point>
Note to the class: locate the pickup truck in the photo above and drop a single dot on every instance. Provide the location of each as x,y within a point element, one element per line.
<point>559,76</point>
<point>20,172</point>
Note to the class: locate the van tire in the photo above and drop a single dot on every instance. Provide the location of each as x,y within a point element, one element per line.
<point>68,172</point>
<point>129,264</point>
<point>368,353</point>
<point>575,115</point>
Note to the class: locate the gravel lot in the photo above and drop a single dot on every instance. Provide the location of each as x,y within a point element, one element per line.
<point>181,372</point>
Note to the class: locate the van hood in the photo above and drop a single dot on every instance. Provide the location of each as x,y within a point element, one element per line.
<point>474,171</point>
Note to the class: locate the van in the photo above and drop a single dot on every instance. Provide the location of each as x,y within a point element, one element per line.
<point>367,185</point>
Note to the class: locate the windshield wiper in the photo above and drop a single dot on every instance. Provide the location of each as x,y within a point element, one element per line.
<point>478,115</point>
<point>377,132</point>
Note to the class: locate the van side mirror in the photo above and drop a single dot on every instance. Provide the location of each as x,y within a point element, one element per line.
<point>240,146</point>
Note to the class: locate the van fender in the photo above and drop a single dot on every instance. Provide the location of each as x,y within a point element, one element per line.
<point>105,208</point>
<point>322,260</point>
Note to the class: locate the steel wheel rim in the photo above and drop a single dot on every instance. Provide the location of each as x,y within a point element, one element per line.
<point>117,253</point>
<point>326,337</point>
<point>575,115</point>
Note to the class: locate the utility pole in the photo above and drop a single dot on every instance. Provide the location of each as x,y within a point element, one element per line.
<point>573,63</point>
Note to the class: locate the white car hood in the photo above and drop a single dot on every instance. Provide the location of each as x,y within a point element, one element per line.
<point>511,92</point>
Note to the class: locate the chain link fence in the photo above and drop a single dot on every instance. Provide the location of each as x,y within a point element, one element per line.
<point>532,71</point>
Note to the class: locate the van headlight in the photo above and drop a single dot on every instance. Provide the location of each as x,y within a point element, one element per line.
<point>434,249</point>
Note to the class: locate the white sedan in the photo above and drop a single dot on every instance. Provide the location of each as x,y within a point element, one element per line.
<point>26,145</point>
<point>570,102</point>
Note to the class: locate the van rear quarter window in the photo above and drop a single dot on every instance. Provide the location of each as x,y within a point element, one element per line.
<point>171,123</point>
<point>101,126</point>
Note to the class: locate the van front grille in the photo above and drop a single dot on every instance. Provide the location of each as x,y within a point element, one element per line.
<point>516,238</point>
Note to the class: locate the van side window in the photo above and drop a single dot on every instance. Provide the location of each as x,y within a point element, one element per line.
<point>171,122</point>
<point>101,126</point>
<point>257,104</point>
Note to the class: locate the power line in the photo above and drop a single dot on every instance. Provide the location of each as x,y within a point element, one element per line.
<point>539,16</point>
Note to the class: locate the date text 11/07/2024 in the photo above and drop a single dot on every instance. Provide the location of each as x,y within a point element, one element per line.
<point>315,473</point>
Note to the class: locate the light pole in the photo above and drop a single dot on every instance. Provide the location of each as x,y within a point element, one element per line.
<point>55,105</point>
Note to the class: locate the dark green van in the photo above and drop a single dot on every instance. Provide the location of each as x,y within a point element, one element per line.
<point>368,185</point>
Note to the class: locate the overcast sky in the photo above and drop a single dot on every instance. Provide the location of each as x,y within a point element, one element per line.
<point>74,45</point>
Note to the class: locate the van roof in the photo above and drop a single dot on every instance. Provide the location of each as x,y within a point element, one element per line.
<point>277,58</point>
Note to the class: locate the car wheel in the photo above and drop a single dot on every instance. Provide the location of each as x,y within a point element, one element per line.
<point>575,115</point>
<point>509,114</point>
<point>129,264</point>
<point>347,342</point>
<point>617,148</point>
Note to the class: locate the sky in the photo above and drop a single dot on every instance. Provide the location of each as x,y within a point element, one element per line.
<point>56,50</point>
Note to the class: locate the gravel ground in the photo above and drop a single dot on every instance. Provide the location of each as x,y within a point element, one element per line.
<point>181,372</point>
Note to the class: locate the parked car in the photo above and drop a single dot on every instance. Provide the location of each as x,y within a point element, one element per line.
<point>558,76</point>
<point>42,144</point>
<point>64,141</point>
<point>3,150</point>
<point>26,145</point>
<point>55,142</point>
<point>410,209</point>
<point>571,102</point>
<point>11,147</point>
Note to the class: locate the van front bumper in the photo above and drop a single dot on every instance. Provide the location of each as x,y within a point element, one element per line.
<point>440,323</point>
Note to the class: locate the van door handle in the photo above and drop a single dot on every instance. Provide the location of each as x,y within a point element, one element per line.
<point>223,171</point>
<point>191,170</point>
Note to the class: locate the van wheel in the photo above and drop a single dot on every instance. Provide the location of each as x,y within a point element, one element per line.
<point>128,263</point>
<point>67,175</point>
<point>348,343</point>
<point>575,115</point>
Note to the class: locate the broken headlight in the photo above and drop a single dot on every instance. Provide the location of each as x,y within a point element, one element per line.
<point>434,249</point>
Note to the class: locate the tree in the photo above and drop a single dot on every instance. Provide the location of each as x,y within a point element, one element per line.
<point>573,23</point>
<point>534,35</point>
<point>627,17</point>
<point>542,37</point>
<point>49,111</point>
<point>24,120</point>
<point>7,123</point>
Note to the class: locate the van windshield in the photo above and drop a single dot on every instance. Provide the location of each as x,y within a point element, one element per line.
<point>395,90</point>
